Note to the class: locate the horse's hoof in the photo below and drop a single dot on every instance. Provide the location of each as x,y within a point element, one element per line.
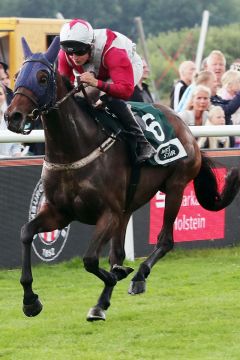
<point>96,313</point>
<point>137,287</point>
<point>33,309</point>
<point>121,271</point>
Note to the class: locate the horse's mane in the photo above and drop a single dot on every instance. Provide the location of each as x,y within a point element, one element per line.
<point>67,83</point>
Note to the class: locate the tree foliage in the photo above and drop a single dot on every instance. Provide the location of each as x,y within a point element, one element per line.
<point>170,27</point>
<point>157,15</point>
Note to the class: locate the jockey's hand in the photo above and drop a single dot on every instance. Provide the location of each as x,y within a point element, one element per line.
<point>89,79</point>
<point>99,104</point>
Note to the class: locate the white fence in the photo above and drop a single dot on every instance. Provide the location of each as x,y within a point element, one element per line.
<point>35,136</point>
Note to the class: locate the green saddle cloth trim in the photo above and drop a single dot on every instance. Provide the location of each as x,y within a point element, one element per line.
<point>160,133</point>
<point>142,109</point>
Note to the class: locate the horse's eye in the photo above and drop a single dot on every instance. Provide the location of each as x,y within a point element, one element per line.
<point>43,80</point>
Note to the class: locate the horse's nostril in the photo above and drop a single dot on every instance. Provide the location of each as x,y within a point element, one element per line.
<point>17,116</point>
<point>14,121</point>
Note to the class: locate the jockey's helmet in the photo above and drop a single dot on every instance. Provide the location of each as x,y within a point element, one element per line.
<point>76,36</point>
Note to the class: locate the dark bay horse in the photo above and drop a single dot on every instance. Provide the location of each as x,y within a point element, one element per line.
<point>86,175</point>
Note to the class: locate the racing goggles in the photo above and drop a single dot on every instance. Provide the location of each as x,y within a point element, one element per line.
<point>78,50</point>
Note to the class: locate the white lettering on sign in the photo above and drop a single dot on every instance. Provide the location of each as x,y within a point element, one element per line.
<point>190,200</point>
<point>168,152</point>
<point>190,223</point>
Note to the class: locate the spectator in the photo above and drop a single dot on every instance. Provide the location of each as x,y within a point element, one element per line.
<point>4,78</point>
<point>141,90</point>
<point>207,78</point>
<point>216,62</point>
<point>229,107</point>
<point>3,68</point>
<point>203,64</point>
<point>6,149</point>
<point>230,88</point>
<point>197,110</point>
<point>235,65</point>
<point>186,72</point>
<point>216,117</point>
<point>230,84</point>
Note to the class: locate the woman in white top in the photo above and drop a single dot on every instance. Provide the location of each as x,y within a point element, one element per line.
<point>6,149</point>
<point>197,110</point>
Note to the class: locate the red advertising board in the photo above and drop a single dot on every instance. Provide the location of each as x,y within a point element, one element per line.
<point>193,222</point>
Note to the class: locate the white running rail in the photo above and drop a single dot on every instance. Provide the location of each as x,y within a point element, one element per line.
<point>7,136</point>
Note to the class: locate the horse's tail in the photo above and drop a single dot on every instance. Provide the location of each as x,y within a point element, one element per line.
<point>206,187</point>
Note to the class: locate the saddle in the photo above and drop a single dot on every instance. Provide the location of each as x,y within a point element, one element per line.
<point>157,130</point>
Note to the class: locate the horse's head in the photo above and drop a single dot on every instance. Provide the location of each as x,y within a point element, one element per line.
<point>35,88</point>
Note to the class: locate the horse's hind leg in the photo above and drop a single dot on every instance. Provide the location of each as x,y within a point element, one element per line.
<point>46,220</point>
<point>165,241</point>
<point>116,258</point>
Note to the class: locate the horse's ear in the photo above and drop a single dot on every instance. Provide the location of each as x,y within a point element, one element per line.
<point>53,50</point>
<point>26,49</point>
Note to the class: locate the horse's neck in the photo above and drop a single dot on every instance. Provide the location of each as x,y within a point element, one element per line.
<point>70,133</point>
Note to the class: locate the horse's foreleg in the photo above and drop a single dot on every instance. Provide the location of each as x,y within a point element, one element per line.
<point>46,220</point>
<point>116,258</point>
<point>165,240</point>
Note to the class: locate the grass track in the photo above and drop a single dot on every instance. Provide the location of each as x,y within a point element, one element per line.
<point>191,310</point>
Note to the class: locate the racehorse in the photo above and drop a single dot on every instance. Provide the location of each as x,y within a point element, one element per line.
<point>86,177</point>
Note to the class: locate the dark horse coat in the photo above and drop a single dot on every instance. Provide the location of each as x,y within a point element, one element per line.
<point>86,176</point>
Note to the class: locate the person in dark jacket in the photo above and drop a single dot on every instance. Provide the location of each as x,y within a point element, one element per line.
<point>4,79</point>
<point>141,91</point>
<point>229,107</point>
<point>186,71</point>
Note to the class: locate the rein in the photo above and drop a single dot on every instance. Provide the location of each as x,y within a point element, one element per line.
<point>76,89</point>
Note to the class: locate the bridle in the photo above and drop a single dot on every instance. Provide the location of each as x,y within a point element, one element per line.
<point>40,110</point>
<point>44,109</point>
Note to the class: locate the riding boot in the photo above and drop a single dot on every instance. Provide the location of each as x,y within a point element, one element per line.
<point>124,114</point>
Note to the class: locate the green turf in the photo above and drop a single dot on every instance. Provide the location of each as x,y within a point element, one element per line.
<point>190,311</point>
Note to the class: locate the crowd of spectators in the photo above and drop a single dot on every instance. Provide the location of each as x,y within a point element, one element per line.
<point>223,86</point>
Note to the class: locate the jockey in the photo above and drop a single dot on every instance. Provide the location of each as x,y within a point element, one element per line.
<point>108,61</point>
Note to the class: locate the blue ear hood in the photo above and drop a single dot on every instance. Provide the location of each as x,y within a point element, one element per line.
<point>53,50</point>
<point>26,49</point>
<point>51,53</point>
<point>27,76</point>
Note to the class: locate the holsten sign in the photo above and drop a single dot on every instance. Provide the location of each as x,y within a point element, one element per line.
<point>193,223</point>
